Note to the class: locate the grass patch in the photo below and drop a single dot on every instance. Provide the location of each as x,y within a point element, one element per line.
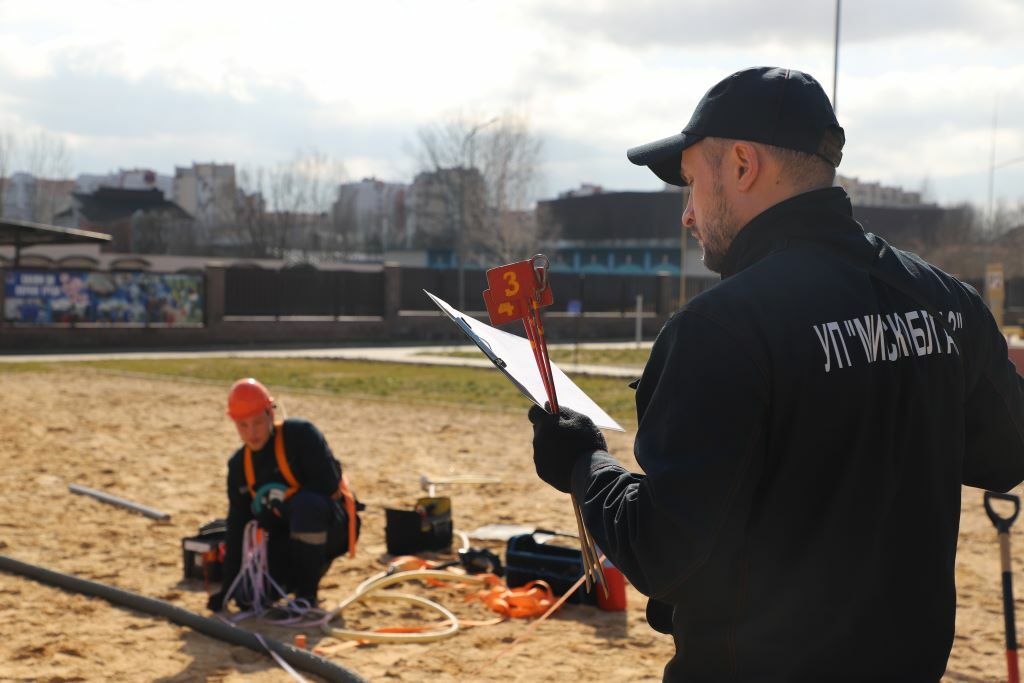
<point>621,357</point>
<point>625,357</point>
<point>401,382</point>
<point>31,366</point>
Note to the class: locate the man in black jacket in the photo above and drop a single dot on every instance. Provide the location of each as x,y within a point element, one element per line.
<point>286,478</point>
<point>805,426</point>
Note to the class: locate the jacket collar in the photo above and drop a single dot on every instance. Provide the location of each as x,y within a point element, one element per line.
<point>820,215</point>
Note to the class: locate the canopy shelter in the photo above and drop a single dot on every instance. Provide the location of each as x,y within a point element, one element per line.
<point>25,234</point>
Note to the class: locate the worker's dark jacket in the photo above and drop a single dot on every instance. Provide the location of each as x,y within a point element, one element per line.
<point>804,430</point>
<point>311,461</point>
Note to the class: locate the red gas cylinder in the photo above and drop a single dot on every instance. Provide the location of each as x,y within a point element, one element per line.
<point>616,600</point>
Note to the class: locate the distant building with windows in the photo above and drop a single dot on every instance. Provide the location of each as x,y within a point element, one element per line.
<point>439,202</point>
<point>875,194</point>
<point>28,198</point>
<point>141,221</point>
<point>126,179</point>
<point>619,232</point>
<point>371,214</point>
<point>640,232</point>
<point>208,192</point>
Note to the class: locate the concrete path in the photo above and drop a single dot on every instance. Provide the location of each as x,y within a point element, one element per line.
<point>422,355</point>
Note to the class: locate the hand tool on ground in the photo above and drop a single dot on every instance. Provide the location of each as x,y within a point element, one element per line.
<point>1003,525</point>
<point>429,483</point>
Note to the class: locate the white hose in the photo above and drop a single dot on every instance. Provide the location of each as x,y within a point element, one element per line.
<point>256,584</point>
<point>365,591</point>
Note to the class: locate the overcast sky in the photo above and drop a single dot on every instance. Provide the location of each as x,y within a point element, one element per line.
<point>158,84</point>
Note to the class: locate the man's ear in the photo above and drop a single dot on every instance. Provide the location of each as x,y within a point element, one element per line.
<point>746,164</point>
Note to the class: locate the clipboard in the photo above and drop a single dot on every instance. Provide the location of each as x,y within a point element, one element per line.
<point>512,355</point>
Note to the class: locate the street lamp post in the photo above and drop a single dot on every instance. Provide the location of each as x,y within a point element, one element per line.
<point>835,60</point>
<point>991,187</point>
<point>460,239</point>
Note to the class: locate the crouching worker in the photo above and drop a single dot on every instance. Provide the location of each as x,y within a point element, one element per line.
<point>286,478</point>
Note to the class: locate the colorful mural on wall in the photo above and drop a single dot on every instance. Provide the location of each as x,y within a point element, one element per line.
<point>52,297</point>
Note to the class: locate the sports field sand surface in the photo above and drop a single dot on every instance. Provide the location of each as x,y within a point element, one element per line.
<point>164,443</point>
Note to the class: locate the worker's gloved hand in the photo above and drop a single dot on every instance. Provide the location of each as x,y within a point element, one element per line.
<point>559,440</point>
<point>271,515</point>
<point>217,603</point>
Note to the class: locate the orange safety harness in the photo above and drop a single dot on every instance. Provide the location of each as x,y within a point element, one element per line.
<point>343,492</point>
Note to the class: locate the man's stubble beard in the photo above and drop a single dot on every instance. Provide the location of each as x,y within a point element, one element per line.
<point>718,229</point>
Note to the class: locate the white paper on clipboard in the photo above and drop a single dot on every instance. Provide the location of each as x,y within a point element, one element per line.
<point>513,356</point>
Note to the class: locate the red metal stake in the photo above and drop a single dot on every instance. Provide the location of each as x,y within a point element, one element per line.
<point>532,334</point>
<point>545,369</point>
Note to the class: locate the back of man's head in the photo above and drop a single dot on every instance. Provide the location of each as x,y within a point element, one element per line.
<point>783,111</point>
<point>799,171</point>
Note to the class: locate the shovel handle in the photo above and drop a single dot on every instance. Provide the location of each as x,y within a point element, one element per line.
<point>1002,524</point>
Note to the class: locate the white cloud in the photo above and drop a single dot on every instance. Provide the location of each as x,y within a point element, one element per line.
<point>156,83</point>
<point>735,23</point>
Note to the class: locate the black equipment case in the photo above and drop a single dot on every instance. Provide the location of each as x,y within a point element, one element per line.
<point>426,527</point>
<point>527,560</point>
<point>203,554</point>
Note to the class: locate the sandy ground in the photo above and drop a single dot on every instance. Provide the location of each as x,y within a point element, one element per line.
<point>164,443</point>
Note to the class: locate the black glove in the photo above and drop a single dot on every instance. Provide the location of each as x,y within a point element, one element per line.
<point>216,602</point>
<point>271,514</point>
<point>559,440</point>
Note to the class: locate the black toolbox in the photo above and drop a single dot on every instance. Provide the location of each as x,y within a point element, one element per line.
<point>527,560</point>
<point>203,554</point>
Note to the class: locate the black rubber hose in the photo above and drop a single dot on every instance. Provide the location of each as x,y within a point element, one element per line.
<point>300,659</point>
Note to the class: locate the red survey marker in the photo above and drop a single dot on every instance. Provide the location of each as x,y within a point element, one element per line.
<point>506,311</point>
<point>517,291</point>
<point>510,289</point>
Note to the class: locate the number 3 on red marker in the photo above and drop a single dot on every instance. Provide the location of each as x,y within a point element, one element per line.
<point>511,282</point>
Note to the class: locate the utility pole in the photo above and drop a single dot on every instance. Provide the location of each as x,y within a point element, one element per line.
<point>835,59</point>
<point>992,173</point>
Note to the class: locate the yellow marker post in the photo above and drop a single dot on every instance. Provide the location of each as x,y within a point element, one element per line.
<point>995,291</point>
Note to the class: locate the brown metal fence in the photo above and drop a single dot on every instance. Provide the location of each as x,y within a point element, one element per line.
<point>606,293</point>
<point>303,292</point>
<point>311,292</point>
<point>595,292</point>
<point>441,282</point>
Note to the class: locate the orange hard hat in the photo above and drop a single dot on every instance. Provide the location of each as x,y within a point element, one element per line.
<point>247,398</point>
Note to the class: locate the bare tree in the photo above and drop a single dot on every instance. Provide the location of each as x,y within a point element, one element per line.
<point>47,158</point>
<point>254,228</point>
<point>510,159</point>
<point>287,207</point>
<point>6,154</point>
<point>162,232</point>
<point>1007,217</point>
<point>344,224</point>
<point>486,172</point>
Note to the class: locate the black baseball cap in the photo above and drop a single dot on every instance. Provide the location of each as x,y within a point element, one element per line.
<point>775,106</point>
